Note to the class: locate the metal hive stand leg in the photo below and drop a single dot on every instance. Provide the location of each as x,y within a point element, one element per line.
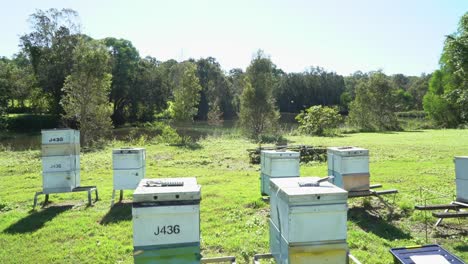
<point>113,197</point>
<point>35,199</point>
<point>121,196</point>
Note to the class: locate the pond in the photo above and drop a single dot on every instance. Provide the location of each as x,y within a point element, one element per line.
<point>195,130</point>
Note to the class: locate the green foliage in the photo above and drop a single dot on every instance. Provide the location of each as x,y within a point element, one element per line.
<point>150,91</point>
<point>297,91</point>
<point>257,106</point>
<point>50,49</point>
<point>411,114</point>
<point>124,61</point>
<point>32,122</point>
<point>186,91</point>
<point>319,120</point>
<point>375,105</point>
<point>215,116</point>
<point>86,90</point>
<point>446,103</point>
<point>167,113</point>
<point>217,91</point>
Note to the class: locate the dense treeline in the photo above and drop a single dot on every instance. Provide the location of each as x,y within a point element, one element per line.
<point>143,89</point>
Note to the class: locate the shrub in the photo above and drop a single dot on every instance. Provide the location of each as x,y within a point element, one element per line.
<point>31,122</point>
<point>319,120</point>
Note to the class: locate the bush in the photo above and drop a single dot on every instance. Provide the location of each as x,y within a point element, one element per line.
<point>319,120</point>
<point>411,114</point>
<point>31,122</point>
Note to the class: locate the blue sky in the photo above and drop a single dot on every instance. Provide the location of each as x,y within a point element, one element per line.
<point>397,36</point>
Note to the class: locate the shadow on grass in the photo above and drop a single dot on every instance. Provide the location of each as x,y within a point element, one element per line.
<point>36,220</point>
<point>118,212</point>
<point>376,225</point>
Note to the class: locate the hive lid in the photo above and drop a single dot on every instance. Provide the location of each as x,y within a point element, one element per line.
<point>127,150</point>
<point>348,151</point>
<point>281,153</point>
<point>167,189</point>
<point>305,186</point>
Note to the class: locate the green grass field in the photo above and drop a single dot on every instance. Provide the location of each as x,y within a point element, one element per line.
<point>233,215</point>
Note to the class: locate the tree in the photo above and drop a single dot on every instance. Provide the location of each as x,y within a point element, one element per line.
<point>5,89</point>
<point>186,91</point>
<point>374,107</point>
<point>151,90</point>
<point>86,90</point>
<point>50,47</point>
<point>124,60</point>
<point>446,102</point>
<point>319,120</point>
<point>257,107</point>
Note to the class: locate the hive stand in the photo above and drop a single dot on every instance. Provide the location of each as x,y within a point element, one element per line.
<point>113,196</point>
<point>454,205</point>
<point>371,192</point>
<point>229,259</point>
<point>258,257</point>
<point>88,189</point>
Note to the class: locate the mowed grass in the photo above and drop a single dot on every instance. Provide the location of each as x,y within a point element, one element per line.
<point>233,215</point>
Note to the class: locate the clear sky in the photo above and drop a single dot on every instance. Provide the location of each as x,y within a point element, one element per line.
<point>397,36</point>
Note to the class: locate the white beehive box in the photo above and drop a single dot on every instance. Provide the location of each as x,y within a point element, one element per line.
<point>275,164</point>
<point>60,160</point>
<point>461,175</point>
<point>350,167</point>
<point>166,215</point>
<point>60,163</point>
<point>348,160</point>
<point>302,253</point>
<point>280,163</point>
<point>308,214</point>
<point>60,136</point>
<point>128,158</point>
<point>129,167</point>
<point>57,182</point>
<point>128,179</point>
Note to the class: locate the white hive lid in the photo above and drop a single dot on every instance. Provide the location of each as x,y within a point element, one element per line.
<point>348,151</point>
<point>281,153</point>
<point>167,190</point>
<point>127,150</point>
<point>301,187</point>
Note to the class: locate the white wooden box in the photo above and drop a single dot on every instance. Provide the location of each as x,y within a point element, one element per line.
<point>128,158</point>
<point>60,163</point>
<point>60,136</point>
<point>166,212</point>
<point>308,214</point>
<point>60,150</point>
<point>280,163</point>
<point>128,179</point>
<point>165,225</point>
<point>348,160</point>
<point>462,190</point>
<point>265,183</point>
<point>461,167</point>
<point>56,182</point>
<point>302,253</point>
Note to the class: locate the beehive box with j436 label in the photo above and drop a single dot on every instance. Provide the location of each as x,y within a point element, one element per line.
<point>166,221</point>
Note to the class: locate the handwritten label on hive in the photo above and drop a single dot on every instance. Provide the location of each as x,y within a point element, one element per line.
<point>57,139</point>
<point>56,166</point>
<point>167,230</point>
